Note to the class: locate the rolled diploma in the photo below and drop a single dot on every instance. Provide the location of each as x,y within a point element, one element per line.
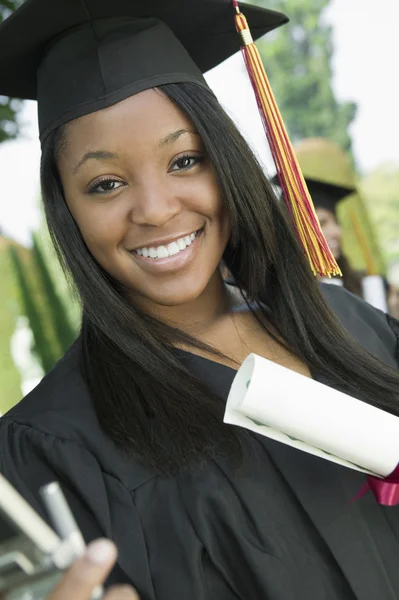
<point>310,416</point>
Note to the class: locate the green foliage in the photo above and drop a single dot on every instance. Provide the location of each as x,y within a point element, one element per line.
<point>7,7</point>
<point>43,348</point>
<point>63,288</point>
<point>10,381</point>
<point>380,190</point>
<point>360,242</point>
<point>9,107</point>
<point>30,286</point>
<point>297,58</point>
<point>53,305</point>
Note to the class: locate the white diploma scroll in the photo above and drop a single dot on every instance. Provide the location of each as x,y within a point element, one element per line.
<point>298,411</point>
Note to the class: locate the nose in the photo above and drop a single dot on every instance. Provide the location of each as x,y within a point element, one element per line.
<point>154,204</point>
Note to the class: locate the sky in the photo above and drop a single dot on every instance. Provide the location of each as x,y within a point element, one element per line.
<point>366,51</point>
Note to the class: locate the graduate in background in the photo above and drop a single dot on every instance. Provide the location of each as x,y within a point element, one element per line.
<point>147,185</point>
<point>344,219</point>
<point>326,197</point>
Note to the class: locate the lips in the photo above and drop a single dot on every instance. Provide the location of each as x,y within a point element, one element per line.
<point>164,261</point>
<point>165,250</point>
<point>170,247</point>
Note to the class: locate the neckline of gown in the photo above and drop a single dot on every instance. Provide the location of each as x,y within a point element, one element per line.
<point>316,375</point>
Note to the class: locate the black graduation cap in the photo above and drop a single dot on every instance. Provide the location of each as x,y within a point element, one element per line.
<point>324,195</point>
<point>79,56</point>
<point>327,195</point>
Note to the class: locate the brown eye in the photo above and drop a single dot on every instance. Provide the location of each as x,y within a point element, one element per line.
<point>105,186</point>
<point>184,163</point>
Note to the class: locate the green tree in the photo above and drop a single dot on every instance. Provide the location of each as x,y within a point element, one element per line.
<point>63,287</point>
<point>297,58</point>
<point>54,308</point>
<point>43,347</point>
<point>9,107</point>
<point>10,379</point>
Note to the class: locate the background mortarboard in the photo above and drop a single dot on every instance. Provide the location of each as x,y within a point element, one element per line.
<point>324,160</point>
<point>324,195</point>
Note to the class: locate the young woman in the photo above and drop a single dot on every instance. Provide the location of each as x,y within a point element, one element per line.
<point>147,186</point>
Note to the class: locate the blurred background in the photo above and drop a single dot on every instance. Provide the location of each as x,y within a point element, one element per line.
<point>333,71</point>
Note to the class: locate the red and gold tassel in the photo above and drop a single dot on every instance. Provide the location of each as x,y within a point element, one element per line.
<point>292,182</point>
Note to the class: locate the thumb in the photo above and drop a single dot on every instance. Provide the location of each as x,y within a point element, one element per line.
<point>86,573</point>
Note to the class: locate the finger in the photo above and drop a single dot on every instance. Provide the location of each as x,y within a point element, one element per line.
<point>86,573</point>
<point>121,592</point>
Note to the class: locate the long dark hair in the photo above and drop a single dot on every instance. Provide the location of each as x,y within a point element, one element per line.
<point>145,398</point>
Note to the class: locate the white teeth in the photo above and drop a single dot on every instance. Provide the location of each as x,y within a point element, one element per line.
<point>173,248</point>
<point>169,250</point>
<point>181,244</point>
<point>162,252</point>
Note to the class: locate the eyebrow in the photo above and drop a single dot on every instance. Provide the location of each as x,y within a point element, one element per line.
<point>172,137</point>
<point>96,155</point>
<point>105,155</point>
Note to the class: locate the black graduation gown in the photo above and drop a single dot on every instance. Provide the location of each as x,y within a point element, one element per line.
<point>283,528</point>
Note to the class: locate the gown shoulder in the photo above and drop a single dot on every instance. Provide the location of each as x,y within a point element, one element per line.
<point>373,329</point>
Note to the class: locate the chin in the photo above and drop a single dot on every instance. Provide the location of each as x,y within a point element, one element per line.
<point>176,293</point>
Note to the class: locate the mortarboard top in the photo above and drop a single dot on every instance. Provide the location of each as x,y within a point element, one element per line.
<point>324,195</point>
<point>79,56</point>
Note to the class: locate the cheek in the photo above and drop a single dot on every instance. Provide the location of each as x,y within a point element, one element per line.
<point>101,225</point>
<point>328,229</point>
<point>333,231</point>
<point>208,199</point>
<point>216,213</point>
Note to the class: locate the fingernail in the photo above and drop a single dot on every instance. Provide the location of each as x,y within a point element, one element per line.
<point>101,551</point>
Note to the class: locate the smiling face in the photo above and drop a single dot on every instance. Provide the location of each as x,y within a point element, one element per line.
<point>331,229</point>
<point>145,197</point>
